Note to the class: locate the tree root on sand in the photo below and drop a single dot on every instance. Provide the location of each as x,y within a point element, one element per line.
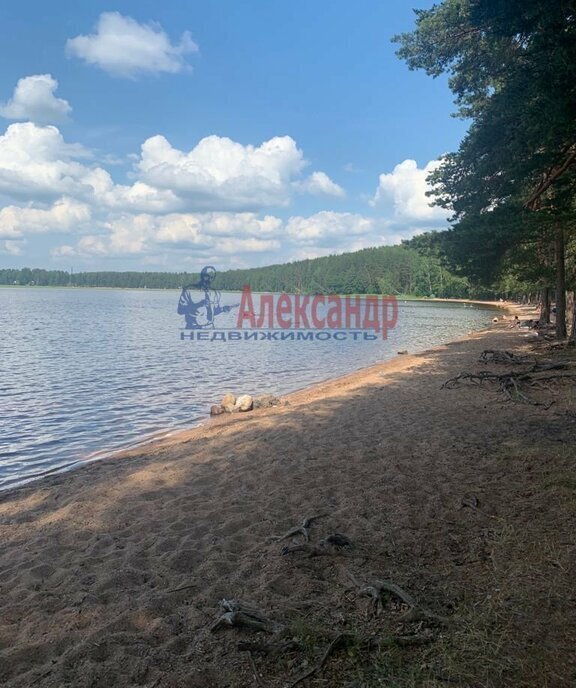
<point>377,591</point>
<point>303,530</point>
<point>329,545</point>
<point>340,641</point>
<point>234,614</point>
<point>505,357</point>
<point>511,384</point>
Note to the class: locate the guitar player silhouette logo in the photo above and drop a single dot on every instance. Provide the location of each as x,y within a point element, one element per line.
<point>199,315</point>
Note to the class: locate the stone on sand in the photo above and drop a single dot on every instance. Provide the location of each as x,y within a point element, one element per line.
<point>244,403</point>
<point>227,403</point>
<point>266,401</point>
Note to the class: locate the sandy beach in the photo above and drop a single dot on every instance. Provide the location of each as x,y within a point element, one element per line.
<point>111,574</point>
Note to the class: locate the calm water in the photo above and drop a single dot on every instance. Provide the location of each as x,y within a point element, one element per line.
<point>82,371</point>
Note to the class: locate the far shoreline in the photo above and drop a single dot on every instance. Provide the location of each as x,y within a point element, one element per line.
<point>398,297</point>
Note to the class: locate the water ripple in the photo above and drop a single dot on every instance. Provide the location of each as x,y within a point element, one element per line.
<point>88,371</point>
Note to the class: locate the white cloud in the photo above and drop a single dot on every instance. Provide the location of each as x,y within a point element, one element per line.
<point>219,173</point>
<point>140,234</point>
<point>332,232</point>
<point>36,162</point>
<point>216,200</point>
<point>123,47</point>
<point>12,248</point>
<point>63,216</point>
<point>33,99</point>
<point>319,183</point>
<point>327,225</point>
<point>405,188</point>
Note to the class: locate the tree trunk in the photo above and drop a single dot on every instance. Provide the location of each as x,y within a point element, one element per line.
<point>560,286</point>
<point>545,307</point>
<point>573,327</point>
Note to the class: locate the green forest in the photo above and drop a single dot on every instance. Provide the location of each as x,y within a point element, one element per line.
<point>382,270</point>
<point>511,65</point>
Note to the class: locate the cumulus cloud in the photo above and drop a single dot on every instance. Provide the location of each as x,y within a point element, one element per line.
<point>319,183</point>
<point>33,99</point>
<point>328,232</point>
<point>36,162</point>
<point>327,225</point>
<point>405,188</point>
<point>12,248</point>
<point>140,234</point>
<point>123,47</point>
<point>63,216</point>
<point>219,173</point>
<point>216,199</point>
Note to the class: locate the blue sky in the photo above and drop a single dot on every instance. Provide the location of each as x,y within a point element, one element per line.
<point>162,136</point>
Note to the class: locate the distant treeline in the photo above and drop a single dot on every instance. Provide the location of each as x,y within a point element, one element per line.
<point>382,270</point>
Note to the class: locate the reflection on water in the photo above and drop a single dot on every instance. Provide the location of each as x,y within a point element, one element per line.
<point>83,370</point>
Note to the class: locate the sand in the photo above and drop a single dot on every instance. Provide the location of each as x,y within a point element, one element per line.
<point>110,575</point>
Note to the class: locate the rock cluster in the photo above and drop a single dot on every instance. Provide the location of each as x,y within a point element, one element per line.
<point>243,403</point>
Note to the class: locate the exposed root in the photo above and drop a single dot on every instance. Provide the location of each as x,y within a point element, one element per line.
<point>511,384</point>
<point>341,640</point>
<point>183,587</point>
<point>377,591</point>
<point>303,530</point>
<point>505,357</point>
<point>255,671</point>
<point>234,614</point>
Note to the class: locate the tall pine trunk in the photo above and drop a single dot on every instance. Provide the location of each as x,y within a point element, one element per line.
<point>545,307</point>
<point>573,327</point>
<point>560,285</point>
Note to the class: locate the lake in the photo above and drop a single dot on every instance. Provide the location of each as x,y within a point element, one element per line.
<point>87,371</point>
